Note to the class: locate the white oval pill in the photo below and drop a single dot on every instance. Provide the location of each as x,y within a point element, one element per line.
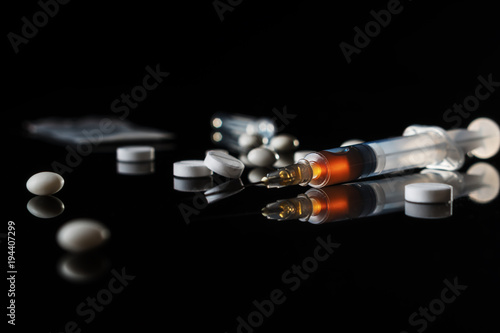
<point>81,235</point>
<point>191,169</point>
<point>261,157</point>
<point>248,141</point>
<point>284,142</point>
<point>45,183</point>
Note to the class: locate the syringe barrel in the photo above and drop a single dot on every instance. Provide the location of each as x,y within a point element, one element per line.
<point>423,146</point>
<point>432,147</point>
<point>414,151</point>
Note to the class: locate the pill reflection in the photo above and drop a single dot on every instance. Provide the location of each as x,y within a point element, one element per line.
<point>135,168</point>
<point>428,211</point>
<point>45,206</point>
<point>193,184</point>
<point>83,268</point>
<point>224,190</point>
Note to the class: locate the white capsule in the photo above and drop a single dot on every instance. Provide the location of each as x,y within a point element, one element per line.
<point>81,235</point>
<point>261,157</point>
<point>45,183</point>
<point>284,142</point>
<point>248,141</point>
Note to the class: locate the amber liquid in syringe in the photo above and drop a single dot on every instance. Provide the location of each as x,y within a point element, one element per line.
<point>340,165</point>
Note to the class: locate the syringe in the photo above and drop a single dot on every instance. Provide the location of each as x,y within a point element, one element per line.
<point>419,147</point>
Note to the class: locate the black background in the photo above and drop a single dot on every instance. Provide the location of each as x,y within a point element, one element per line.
<point>263,55</point>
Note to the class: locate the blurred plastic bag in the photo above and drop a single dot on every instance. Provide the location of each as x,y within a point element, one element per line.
<point>105,130</point>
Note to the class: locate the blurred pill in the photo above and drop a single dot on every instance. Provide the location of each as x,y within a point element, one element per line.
<point>45,206</point>
<point>284,159</point>
<point>256,174</point>
<point>284,142</point>
<point>248,141</point>
<point>191,169</point>
<point>261,157</point>
<point>219,150</point>
<point>135,153</point>
<point>351,142</point>
<point>81,235</point>
<point>45,183</point>
<point>299,154</point>
<point>243,157</point>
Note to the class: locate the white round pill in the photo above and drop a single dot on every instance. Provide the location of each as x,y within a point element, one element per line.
<point>191,169</point>
<point>428,193</point>
<point>45,183</point>
<point>300,154</point>
<point>261,157</point>
<point>248,141</point>
<point>284,142</point>
<point>81,235</point>
<point>135,153</point>
<point>224,164</point>
<point>45,206</point>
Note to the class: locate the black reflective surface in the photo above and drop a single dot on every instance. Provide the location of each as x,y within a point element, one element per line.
<point>176,262</point>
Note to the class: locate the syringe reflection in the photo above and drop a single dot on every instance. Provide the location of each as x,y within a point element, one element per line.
<point>382,196</point>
